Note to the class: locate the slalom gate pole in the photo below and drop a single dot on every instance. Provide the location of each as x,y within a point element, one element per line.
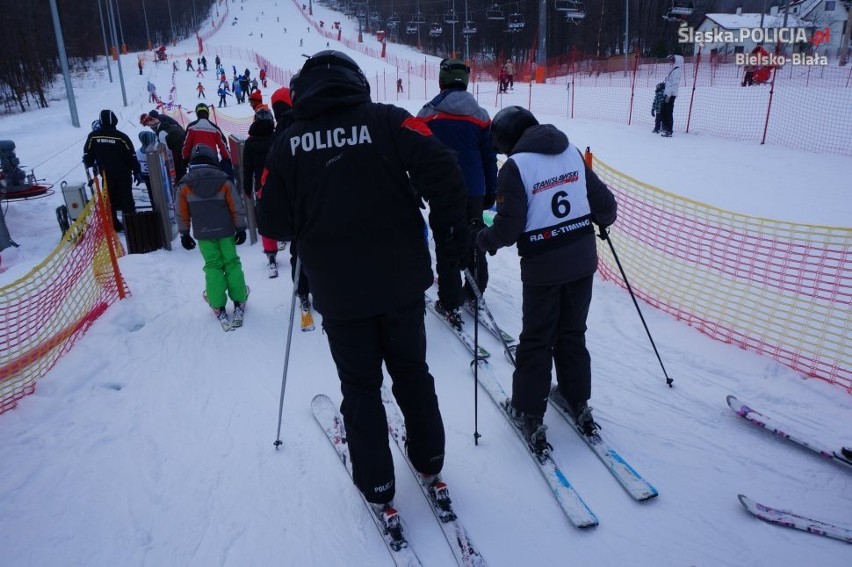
<point>475,361</point>
<point>604,235</point>
<point>287,348</point>
<point>479,299</point>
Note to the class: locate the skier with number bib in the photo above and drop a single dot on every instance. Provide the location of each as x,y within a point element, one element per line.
<point>209,204</point>
<point>369,235</point>
<point>547,200</point>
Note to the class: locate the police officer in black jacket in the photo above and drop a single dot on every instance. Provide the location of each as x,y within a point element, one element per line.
<point>346,181</point>
<point>111,151</point>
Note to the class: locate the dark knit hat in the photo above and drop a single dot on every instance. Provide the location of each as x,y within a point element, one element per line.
<point>203,153</point>
<point>453,73</point>
<point>263,113</point>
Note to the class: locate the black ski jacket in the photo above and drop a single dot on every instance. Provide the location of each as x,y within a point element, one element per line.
<point>346,182</point>
<point>112,151</point>
<point>254,154</point>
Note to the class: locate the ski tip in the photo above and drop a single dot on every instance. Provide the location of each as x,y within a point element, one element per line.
<point>745,500</point>
<point>320,399</point>
<point>649,495</point>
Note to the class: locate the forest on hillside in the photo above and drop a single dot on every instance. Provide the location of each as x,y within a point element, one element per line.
<point>483,30</point>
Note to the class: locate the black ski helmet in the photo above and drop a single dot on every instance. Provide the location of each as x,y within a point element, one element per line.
<point>331,60</point>
<point>508,125</point>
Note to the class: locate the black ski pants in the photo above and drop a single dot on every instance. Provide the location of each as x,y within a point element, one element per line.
<point>554,331</point>
<point>358,348</point>
<point>452,291</point>
<point>666,110</point>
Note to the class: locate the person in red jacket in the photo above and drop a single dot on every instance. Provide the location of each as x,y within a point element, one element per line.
<point>202,131</point>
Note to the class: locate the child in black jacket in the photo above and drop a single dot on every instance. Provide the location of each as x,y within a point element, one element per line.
<point>659,97</point>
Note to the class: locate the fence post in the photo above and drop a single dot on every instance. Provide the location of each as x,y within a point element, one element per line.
<point>568,99</point>
<point>632,88</point>
<point>694,81</point>
<point>425,95</point>
<point>573,97</point>
<point>769,105</point>
<point>529,99</point>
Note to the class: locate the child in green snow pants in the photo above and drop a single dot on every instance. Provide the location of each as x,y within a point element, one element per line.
<point>223,272</point>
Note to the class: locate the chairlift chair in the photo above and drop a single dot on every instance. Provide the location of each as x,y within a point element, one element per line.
<point>436,30</point>
<point>494,13</point>
<point>575,14</point>
<point>411,28</point>
<point>516,22</point>
<point>469,28</point>
<point>451,18</point>
<point>680,10</point>
<point>393,20</point>
<point>418,19</point>
<point>561,5</point>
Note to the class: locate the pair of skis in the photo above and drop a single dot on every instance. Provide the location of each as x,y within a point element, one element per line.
<point>229,322</point>
<point>569,500</point>
<point>788,518</point>
<point>460,334</point>
<point>572,504</point>
<point>486,319</point>
<point>842,455</point>
<point>465,551</point>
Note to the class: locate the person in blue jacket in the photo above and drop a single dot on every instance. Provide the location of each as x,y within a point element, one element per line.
<point>459,122</point>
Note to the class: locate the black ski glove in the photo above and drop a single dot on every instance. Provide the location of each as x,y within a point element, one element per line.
<point>240,237</point>
<point>479,241</point>
<point>187,241</point>
<point>488,201</point>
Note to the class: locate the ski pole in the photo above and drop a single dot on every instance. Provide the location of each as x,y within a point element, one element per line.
<point>604,235</point>
<point>476,357</point>
<point>481,300</point>
<point>287,349</point>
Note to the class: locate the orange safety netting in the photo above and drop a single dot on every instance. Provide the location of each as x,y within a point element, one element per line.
<point>776,288</point>
<point>44,313</point>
